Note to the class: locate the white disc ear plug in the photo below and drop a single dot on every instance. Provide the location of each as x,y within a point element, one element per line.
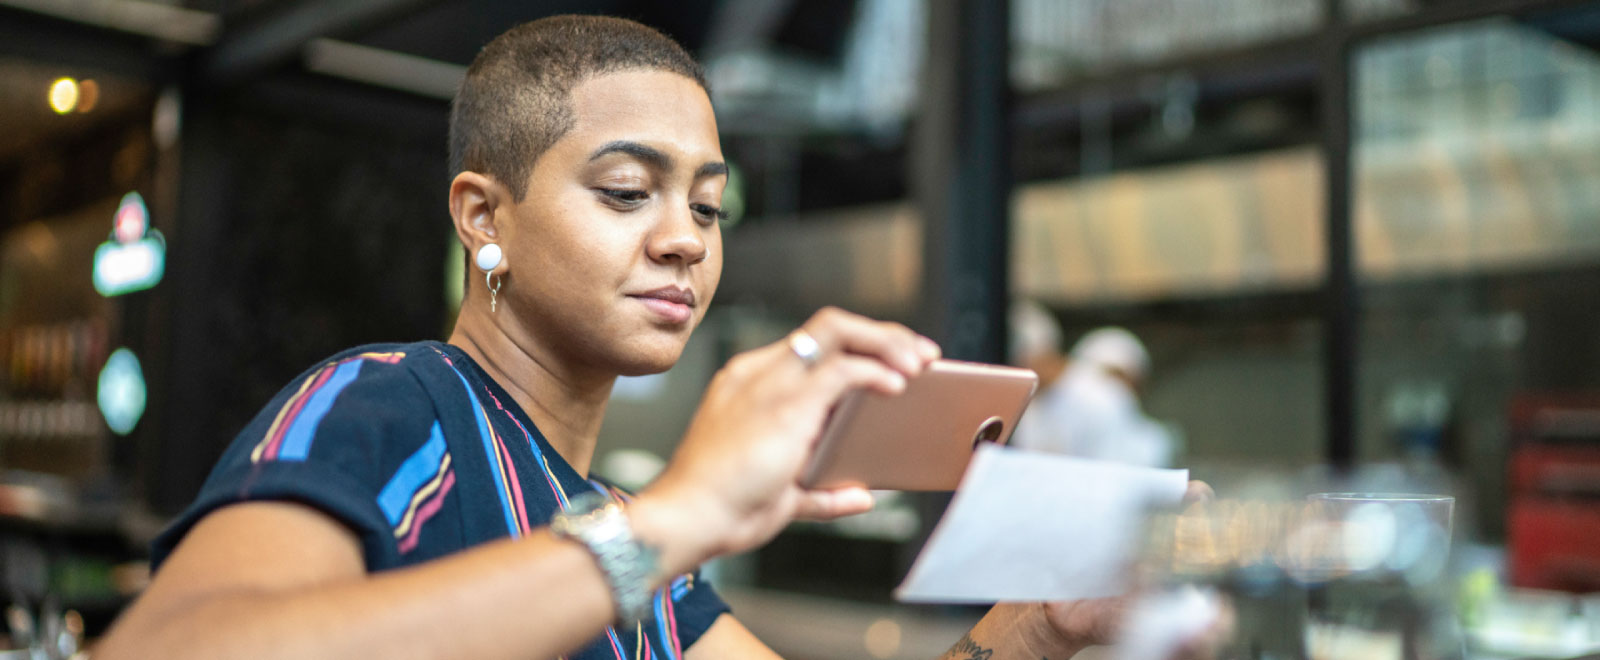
<point>489,257</point>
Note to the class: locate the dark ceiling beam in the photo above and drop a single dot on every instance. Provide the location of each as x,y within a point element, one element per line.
<point>162,22</point>
<point>29,36</point>
<point>1284,66</point>
<point>1289,65</point>
<point>279,38</point>
<point>385,68</point>
<point>1435,14</point>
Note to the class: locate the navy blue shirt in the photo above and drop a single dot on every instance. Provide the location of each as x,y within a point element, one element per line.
<point>419,452</point>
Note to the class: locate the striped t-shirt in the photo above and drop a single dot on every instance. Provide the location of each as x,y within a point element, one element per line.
<point>419,452</point>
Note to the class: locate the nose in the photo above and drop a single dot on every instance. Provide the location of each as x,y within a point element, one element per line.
<point>677,237</point>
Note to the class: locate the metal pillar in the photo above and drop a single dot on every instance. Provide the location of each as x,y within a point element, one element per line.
<point>961,177</point>
<point>961,183</point>
<point>185,440</point>
<point>1341,312</point>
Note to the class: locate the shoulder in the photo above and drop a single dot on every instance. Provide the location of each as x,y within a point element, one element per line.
<point>334,438</point>
<point>395,370</point>
<point>377,362</point>
<point>372,392</point>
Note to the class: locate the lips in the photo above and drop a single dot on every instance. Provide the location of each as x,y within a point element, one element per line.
<point>669,304</point>
<point>670,294</point>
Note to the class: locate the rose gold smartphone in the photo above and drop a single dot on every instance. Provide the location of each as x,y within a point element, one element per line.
<point>923,438</point>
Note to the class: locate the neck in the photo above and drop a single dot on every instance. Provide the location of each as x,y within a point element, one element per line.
<point>566,402</point>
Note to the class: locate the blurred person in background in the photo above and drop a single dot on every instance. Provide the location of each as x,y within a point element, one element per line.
<point>1088,401</point>
<point>432,499</point>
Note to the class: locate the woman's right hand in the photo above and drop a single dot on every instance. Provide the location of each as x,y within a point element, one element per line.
<point>734,481</point>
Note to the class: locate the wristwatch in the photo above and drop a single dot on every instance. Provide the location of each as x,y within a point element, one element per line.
<point>601,525</point>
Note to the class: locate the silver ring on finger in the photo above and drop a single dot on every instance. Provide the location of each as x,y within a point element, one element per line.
<point>805,347</point>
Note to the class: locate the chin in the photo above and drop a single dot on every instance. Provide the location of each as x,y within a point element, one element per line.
<point>650,358</point>
<point>646,367</point>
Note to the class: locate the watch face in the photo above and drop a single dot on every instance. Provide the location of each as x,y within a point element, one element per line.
<point>592,519</point>
<point>587,502</point>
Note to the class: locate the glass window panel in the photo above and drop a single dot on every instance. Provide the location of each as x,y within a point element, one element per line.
<point>1477,227</point>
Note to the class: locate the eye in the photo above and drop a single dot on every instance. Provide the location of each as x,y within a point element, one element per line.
<point>708,213</point>
<point>624,196</point>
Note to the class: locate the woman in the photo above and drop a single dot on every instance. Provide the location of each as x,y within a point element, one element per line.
<point>405,500</point>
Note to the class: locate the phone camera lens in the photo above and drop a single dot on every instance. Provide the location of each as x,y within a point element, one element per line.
<point>989,431</point>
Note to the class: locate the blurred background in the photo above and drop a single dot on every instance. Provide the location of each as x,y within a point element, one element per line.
<point>1359,238</point>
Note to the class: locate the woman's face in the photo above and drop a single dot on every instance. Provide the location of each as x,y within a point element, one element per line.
<point>615,250</point>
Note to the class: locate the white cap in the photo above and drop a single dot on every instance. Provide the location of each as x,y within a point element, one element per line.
<point>1113,348</point>
<point>1033,332</point>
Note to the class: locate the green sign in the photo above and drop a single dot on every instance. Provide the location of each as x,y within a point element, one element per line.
<point>136,256</point>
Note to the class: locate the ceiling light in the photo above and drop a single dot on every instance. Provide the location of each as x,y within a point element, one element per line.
<point>64,95</point>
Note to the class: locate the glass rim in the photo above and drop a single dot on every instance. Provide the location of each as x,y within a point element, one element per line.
<point>1382,497</point>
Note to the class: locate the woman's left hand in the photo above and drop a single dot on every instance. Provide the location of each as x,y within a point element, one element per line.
<point>1099,621</point>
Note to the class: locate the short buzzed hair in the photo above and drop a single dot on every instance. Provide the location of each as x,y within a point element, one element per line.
<point>516,99</point>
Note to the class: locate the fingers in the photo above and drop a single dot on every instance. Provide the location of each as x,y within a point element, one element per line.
<point>1198,492</point>
<point>1208,643</point>
<point>837,503</point>
<point>839,373</point>
<point>1091,621</point>
<point>894,344</point>
<point>856,352</point>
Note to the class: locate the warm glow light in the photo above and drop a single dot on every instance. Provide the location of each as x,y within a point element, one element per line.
<point>883,638</point>
<point>88,95</point>
<point>64,95</point>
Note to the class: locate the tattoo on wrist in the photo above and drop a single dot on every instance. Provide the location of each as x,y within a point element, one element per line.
<point>966,649</point>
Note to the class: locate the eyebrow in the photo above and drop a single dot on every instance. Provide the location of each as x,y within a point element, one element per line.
<point>711,169</point>
<point>654,158</point>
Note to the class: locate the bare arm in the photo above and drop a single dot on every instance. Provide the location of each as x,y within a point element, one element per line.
<point>728,639</point>
<point>281,580</point>
<point>1014,631</point>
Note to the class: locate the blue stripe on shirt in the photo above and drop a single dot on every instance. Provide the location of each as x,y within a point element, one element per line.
<point>297,441</point>
<point>488,450</point>
<point>416,471</point>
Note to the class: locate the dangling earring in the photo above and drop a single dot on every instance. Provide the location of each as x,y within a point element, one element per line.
<point>493,281</point>
<point>488,258</point>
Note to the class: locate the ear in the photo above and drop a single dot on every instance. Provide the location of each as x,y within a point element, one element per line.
<point>474,200</point>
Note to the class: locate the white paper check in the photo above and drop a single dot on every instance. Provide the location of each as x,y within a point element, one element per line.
<point>1028,526</point>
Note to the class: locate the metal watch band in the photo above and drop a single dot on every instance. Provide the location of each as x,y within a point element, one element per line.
<point>601,525</point>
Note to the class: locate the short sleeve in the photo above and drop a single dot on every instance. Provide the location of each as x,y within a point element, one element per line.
<point>331,440</point>
<point>695,607</point>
